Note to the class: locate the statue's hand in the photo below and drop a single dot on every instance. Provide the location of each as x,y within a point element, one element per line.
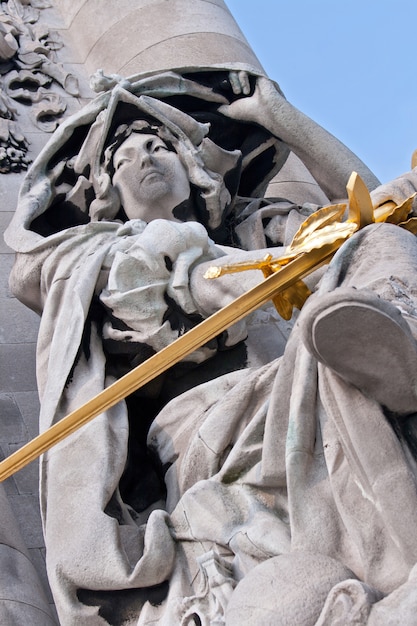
<point>239,81</point>
<point>257,107</point>
<point>396,190</point>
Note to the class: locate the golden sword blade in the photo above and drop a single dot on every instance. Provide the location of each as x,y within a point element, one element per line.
<point>167,357</point>
<point>320,236</point>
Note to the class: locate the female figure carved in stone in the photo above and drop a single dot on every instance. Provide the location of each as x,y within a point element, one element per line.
<point>242,467</point>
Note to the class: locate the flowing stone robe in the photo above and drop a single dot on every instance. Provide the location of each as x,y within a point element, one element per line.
<point>261,462</point>
<point>71,368</point>
<point>67,276</point>
<point>258,463</point>
<point>303,462</point>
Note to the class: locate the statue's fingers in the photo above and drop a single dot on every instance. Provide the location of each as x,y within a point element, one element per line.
<point>244,82</point>
<point>235,83</point>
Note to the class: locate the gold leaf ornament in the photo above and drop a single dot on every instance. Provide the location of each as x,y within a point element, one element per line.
<point>293,297</point>
<point>395,213</point>
<point>324,231</point>
<point>284,287</point>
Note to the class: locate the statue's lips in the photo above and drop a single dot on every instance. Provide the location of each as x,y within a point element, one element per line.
<point>149,173</point>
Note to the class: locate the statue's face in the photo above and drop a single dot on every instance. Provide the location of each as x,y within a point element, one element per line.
<point>150,178</point>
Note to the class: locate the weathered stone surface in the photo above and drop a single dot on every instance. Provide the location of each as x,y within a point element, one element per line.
<point>286,477</point>
<point>18,324</point>
<point>17,366</point>
<point>17,360</point>
<point>7,261</point>
<point>13,428</point>
<point>22,596</point>
<point>37,556</point>
<point>197,34</point>
<point>28,403</point>
<point>9,485</point>
<point>23,599</point>
<point>26,479</point>
<point>9,190</point>
<point>286,589</point>
<point>26,511</point>
<point>5,217</point>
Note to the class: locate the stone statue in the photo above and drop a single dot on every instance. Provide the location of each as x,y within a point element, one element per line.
<point>269,478</point>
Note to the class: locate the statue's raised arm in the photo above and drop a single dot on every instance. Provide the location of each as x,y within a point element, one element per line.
<point>328,160</point>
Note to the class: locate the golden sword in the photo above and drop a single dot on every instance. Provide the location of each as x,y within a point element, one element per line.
<point>318,238</point>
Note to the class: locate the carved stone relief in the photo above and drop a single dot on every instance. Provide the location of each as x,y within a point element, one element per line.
<point>31,79</point>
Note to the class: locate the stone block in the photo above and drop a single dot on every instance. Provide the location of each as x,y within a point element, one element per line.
<point>53,612</point>
<point>9,485</point>
<point>23,599</point>
<point>5,217</point>
<point>12,426</point>
<point>17,367</point>
<point>37,557</point>
<point>6,263</point>
<point>27,478</point>
<point>18,324</point>
<point>111,40</point>
<point>90,13</point>
<point>52,17</point>
<point>219,45</point>
<point>68,53</point>
<point>28,403</point>
<point>10,534</point>
<point>69,9</point>
<point>9,191</point>
<point>26,511</point>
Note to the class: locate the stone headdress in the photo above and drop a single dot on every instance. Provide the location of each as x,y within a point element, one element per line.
<point>213,172</point>
<point>69,183</point>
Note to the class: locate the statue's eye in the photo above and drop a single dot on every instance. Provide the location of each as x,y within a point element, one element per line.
<point>119,163</point>
<point>160,147</point>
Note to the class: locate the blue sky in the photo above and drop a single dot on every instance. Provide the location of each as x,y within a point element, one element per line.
<point>348,64</point>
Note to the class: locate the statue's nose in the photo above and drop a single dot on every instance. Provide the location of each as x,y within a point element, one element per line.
<point>145,159</point>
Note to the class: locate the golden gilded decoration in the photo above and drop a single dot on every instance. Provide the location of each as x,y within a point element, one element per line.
<point>395,213</point>
<point>361,210</point>
<point>166,358</point>
<point>414,160</point>
<point>326,227</point>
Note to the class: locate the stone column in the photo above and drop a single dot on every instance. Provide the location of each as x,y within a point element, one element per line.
<point>129,37</point>
<point>41,82</point>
